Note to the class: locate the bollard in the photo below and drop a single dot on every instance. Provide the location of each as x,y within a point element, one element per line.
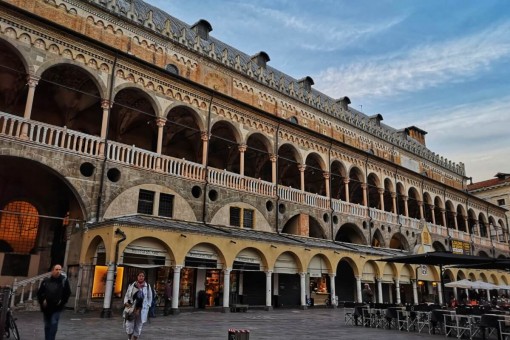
<point>238,334</point>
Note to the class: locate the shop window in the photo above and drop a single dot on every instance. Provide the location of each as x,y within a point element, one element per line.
<point>19,222</point>
<point>166,205</point>
<point>145,202</point>
<point>241,217</point>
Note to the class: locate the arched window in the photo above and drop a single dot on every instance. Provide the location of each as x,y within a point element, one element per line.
<point>293,120</point>
<point>19,221</point>
<point>172,69</point>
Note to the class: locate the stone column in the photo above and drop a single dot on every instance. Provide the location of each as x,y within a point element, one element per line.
<point>273,158</point>
<point>160,122</point>
<point>394,202</point>
<point>443,216</point>
<point>397,290</point>
<point>466,224</point>
<point>433,213</point>
<point>406,207</point>
<point>455,221</point>
<point>107,301</point>
<point>302,286</point>
<point>32,82</point>
<point>364,187</point>
<point>332,292</point>
<point>226,290</point>
<point>205,142</point>
<point>242,149</point>
<point>415,292</point>
<point>346,182</point>
<point>420,205</point>
<point>326,182</point>
<point>477,226</point>
<point>176,285</point>
<point>381,198</point>
<point>440,293</point>
<point>269,290</point>
<point>106,105</point>
<point>379,290</point>
<point>358,289</point>
<point>302,168</point>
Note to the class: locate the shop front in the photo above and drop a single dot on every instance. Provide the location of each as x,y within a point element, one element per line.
<point>319,286</point>
<point>247,280</point>
<point>286,282</point>
<point>201,283</point>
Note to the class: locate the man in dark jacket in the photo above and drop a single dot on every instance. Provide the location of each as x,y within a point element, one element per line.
<point>53,295</point>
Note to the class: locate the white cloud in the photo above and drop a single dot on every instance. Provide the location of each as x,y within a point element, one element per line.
<point>423,67</point>
<point>328,35</point>
<point>475,134</point>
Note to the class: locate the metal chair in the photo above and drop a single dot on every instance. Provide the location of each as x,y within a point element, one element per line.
<point>504,328</point>
<point>349,313</point>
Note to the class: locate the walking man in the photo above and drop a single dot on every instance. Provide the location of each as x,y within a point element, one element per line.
<point>53,295</point>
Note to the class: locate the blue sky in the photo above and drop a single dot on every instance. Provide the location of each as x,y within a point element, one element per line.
<point>441,65</point>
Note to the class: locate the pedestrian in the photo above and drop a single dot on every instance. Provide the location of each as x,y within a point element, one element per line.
<point>137,302</point>
<point>168,297</point>
<point>53,295</point>
<point>366,294</point>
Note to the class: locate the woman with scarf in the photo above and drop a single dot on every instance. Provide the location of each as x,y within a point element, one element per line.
<point>137,301</point>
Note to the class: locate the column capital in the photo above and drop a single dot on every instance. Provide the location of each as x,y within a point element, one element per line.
<point>273,157</point>
<point>160,121</point>
<point>242,147</point>
<point>106,104</point>
<point>332,275</point>
<point>380,190</point>
<point>227,270</point>
<point>204,136</point>
<point>393,195</point>
<point>32,80</point>
<point>302,275</point>
<point>177,267</point>
<point>326,175</point>
<point>302,167</point>
<point>364,185</point>
<point>346,181</point>
<point>268,272</point>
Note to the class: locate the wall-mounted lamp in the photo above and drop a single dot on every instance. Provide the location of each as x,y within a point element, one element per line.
<point>336,252</point>
<point>232,241</point>
<point>420,283</point>
<point>434,284</point>
<point>273,246</point>
<point>307,249</point>
<point>361,256</point>
<point>182,235</point>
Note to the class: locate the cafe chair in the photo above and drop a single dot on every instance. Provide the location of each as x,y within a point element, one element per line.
<point>349,313</point>
<point>504,328</point>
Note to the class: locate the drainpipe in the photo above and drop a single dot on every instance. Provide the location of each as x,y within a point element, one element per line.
<point>277,222</point>
<point>331,192</point>
<point>368,204</point>
<point>103,168</point>
<point>206,170</point>
<point>109,292</point>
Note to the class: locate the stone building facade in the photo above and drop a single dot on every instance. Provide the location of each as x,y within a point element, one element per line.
<point>130,141</point>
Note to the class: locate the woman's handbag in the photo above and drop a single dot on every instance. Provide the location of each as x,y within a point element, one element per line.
<point>129,312</point>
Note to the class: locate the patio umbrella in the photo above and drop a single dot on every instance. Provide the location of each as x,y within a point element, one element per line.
<point>460,284</point>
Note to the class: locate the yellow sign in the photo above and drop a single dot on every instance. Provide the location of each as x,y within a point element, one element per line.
<point>459,247</point>
<point>99,285</point>
<point>425,237</point>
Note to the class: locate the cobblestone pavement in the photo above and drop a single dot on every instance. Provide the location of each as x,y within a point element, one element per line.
<point>207,325</point>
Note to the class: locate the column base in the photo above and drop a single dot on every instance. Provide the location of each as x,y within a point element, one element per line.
<point>225,309</point>
<point>268,308</point>
<point>175,311</point>
<point>106,313</point>
<point>304,307</point>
